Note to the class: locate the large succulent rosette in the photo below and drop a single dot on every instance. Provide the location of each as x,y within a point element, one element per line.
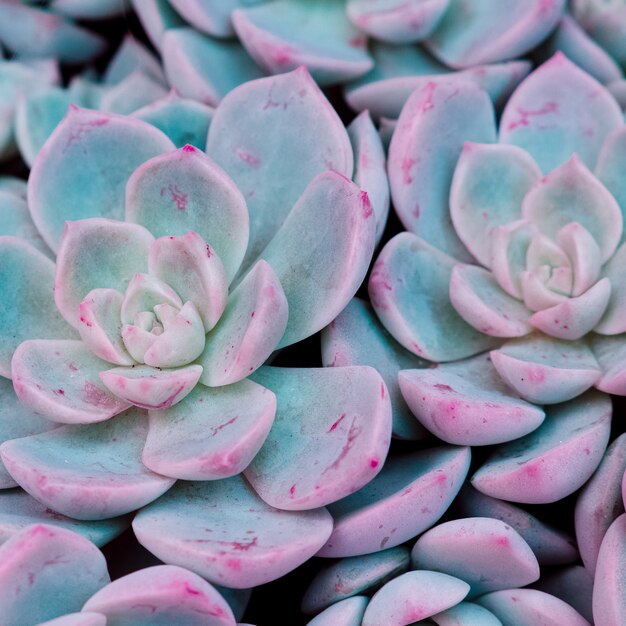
<point>147,340</point>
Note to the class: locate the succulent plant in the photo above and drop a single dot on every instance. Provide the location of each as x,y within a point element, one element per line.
<point>545,229</point>
<point>158,314</point>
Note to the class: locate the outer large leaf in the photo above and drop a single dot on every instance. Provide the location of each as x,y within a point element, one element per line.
<point>559,110</point>
<point>83,167</point>
<point>252,138</point>
<point>422,158</point>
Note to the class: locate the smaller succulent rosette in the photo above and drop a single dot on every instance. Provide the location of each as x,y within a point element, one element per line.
<point>537,221</point>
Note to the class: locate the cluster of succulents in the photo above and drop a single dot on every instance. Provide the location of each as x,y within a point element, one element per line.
<point>312,312</point>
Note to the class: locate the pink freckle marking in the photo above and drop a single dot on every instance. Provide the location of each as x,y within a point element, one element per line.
<point>416,347</point>
<point>85,321</point>
<point>374,462</point>
<point>383,543</point>
<point>178,197</point>
<point>292,491</point>
<point>57,353</point>
<point>427,105</point>
<point>191,591</point>
<point>443,387</point>
<point>234,564</point>
<point>526,114</point>
<point>358,42</point>
<point>502,541</point>
<point>382,390</point>
<point>208,251</point>
<point>72,367</point>
<point>248,157</point>
<point>425,510</point>
<point>335,424</point>
<point>96,396</point>
<point>366,205</point>
<point>244,545</point>
<point>417,210</point>
<point>587,451</point>
<point>59,392</point>
<point>188,148</point>
<point>353,433</point>
<point>216,429</point>
<point>405,168</point>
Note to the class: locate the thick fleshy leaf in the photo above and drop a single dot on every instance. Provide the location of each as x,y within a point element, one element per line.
<point>133,92</point>
<point>529,607</point>
<point>412,597</point>
<point>486,553</point>
<point>611,355</point>
<point>583,253</point>
<point>182,340</point>
<point>132,56</point>
<point>72,177</point>
<point>396,21</point>
<point>157,16</point>
<point>356,337</point>
<point>28,309</point>
<point>509,246</point>
<point>370,171</point>
<point>285,34</point>
<point>600,502</point>
<point>573,585</point>
<point>19,509</point>
<point>608,167</point>
<point>549,545</point>
<point>35,119</point>
<point>422,159</point>
<point>184,191</point>
<point>97,253</point>
<point>322,252</point>
<point>533,469</point>
<point>489,184</point>
<point>87,472</point>
<point>399,70</point>
<point>223,531</point>
<point>269,167</point>
<point>195,272</point>
<point>151,387</point>
<point>341,417</point>
<point>249,330</point>
<point>608,600</point>
<point>214,434</point>
<point>144,293</point>
<point>575,317</point>
<point>466,614</point>
<point>557,111</point>
<point>209,16</point>
<point>16,420</point>
<point>606,25</point>
<point>33,33</point>
<point>164,594</point>
<point>60,379</point>
<point>183,120</point>
<point>101,327</point>
<point>493,30</point>
<point>13,184</point>
<point>408,496</point>
<point>47,571</point>
<point>467,403</point>
<point>571,193</point>
<point>409,290</point>
<point>613,322</point>
<point>348,612</point>
<point>545,370</point>
<point>202,68</point>
<point>581,49</point>
<point>352,576</point>
<point>478,299</point>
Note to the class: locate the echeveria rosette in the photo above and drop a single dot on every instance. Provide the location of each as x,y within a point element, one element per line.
<point>529,209</point>
<point>161,279</point>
